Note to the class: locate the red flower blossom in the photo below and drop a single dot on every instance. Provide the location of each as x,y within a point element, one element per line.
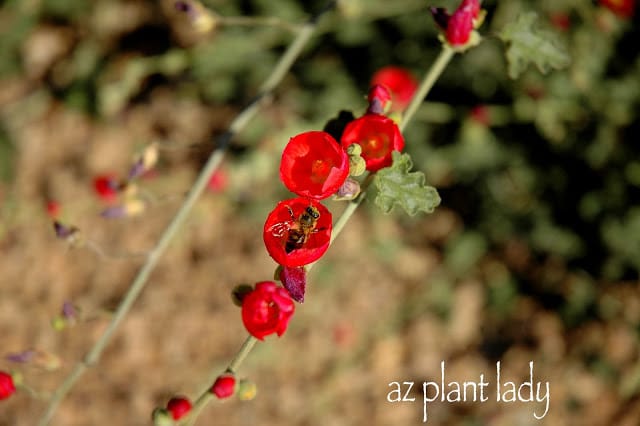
<point>622,8</point>
<point>267,310</point>
<point>7,388</point>
<point>313,165</point>
<point>377,135</point>
<point>106,187</point>
<point>297,232</point>
<point>224,386</point>
<point>400,83</point>
<point>178,407</point>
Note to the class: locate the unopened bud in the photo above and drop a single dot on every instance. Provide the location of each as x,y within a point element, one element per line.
<point>348,190</point>
<point>357,164</point>
<point>162,417</point>
<point>247,390</point>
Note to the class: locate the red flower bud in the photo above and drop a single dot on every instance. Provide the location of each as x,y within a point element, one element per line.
<point>480,114</point>
<point>377,135</point>
<point>267,310</point>
<point>7,388</point>
<point>106,188</point>
<point>459,27</point>
<point>297,232</point>
<point>313,165</point>
<point>53,209</point>
<point>218,181</point>
<point>622,8</point>
<point>178,407</point>
<point>400,83</point>
<point>379,99</point>
<point>224,386</point>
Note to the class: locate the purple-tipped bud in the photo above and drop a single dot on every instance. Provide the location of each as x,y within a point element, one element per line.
<point>440,16</point>
<point>182,6</point>
<point>115,212</point>
<point>64,232</point>
<point>21,357</point>
<point>295,281</point>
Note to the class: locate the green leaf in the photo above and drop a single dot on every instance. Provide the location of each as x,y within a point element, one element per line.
<point>528,43</point>
<point>398,186</point>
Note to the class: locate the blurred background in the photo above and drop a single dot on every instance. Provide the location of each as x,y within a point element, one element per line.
<point>533,254</point>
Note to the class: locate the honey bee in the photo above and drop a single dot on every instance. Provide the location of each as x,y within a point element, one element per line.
<point>297,229</point>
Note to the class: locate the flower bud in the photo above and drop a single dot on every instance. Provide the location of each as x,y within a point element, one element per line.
<point>7,387</point>
<point>247,390</point>
<point>224,386</point>
<point>348,191</point>
<point>162,417</point>
<point>178,407</point>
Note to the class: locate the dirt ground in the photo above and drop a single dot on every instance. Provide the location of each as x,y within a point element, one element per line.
<point>384,305</point>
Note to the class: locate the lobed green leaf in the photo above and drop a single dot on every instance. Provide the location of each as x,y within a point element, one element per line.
<point>529,43</point>
<point>398,186</point>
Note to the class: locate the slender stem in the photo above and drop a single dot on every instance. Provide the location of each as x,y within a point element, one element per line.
<point>139,282</point>
<point>207,396</point>
<point>252,21</point>
<point>427,83</point>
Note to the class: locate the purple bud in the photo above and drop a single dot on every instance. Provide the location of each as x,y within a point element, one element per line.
<point>63,232</point>
<point>441,16</point>
<point>68,310</point>
<point>137,169</point>
<point>21,357</point>
<point>295,281</point>
<point>115,212</point>
<point>182,6</point>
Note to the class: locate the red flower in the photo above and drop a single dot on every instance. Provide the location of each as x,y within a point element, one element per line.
<point>313,165</point>
<point>53,209</point>
<point>377,135</point>
<point>7,388</point>
<point>460,24</point>
<point>106,187</point>
<point>224,386</point>
<point>218,181</point>
<point>400,83</point>
<point>297,232</point>
<point>480,114</point>
<point>622,8</point>
<point>178,407</point>
<point>560,20</point>
<point>267,310</point>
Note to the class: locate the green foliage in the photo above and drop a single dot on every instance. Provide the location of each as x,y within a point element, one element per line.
<point>397,186</point>
<point>528,43</point>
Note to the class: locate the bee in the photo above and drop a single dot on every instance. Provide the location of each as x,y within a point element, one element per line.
<point>297,229</point>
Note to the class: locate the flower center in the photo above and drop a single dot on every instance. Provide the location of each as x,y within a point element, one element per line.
<point>320,170</point>
<point>376,145</point>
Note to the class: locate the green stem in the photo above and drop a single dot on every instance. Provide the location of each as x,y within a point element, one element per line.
<point>427,83</point>
<point>207,396</point>
<point>253,21</point>
<point>139,282</point>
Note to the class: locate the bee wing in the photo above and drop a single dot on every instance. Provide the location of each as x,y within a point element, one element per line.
<point>279,229</point>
